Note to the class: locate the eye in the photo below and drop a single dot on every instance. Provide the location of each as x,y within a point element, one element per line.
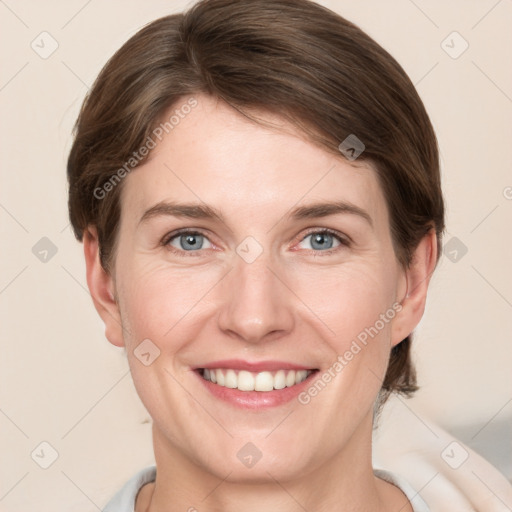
<point>324,240</point>
<point>187,241</point>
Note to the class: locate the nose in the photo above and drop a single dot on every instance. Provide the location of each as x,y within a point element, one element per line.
<point>258,305</point>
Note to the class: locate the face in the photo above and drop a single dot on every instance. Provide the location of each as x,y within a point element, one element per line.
<point>250,257</point>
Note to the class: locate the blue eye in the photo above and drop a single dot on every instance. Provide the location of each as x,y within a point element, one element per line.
<point>323,240</point>
<point>188,241</point>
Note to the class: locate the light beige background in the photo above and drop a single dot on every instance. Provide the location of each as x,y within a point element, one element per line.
<point>61,381</point>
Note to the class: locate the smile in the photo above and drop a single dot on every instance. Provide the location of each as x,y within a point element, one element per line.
<point>254,385</point>
<point>244,380</point>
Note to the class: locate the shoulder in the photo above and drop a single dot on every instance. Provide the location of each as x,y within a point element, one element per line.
<point>124,499</point>
<point>399,481</point>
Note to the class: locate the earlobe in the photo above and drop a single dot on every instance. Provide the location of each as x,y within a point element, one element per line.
<point>102,288</point>
<point>417,278</point>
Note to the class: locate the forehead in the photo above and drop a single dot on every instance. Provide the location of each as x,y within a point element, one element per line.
<point>214,155</point>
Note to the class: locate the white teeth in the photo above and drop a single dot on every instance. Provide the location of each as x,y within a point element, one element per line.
<point>248,381</point>
<point>280,380</point>
<point>245,381</point>
<point>231,380</point>
<point>264,382</point>
<point>300,376</point>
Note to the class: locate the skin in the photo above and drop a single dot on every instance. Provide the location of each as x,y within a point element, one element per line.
<point>294,303</point>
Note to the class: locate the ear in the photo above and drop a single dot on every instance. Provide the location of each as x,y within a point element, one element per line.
<point>102,288</point>
<point>413,288</point>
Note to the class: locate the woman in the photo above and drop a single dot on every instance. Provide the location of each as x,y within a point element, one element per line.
<point>256,184</point>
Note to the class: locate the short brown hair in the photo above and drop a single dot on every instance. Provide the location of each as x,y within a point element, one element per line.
<point>294,58</point>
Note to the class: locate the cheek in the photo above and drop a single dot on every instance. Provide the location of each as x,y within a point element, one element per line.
<point>355,305</point>
<point>348,299</point>
<point>158,301</point>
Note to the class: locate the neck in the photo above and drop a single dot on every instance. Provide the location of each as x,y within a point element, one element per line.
<point>345,481</point>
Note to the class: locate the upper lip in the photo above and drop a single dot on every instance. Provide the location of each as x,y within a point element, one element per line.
<point>254,366</point>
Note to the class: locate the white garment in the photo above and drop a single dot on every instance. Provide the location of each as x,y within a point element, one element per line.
<point>449,474</point>
<point>124,500</point>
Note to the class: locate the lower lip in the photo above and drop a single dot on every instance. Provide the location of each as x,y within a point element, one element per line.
<point>256,399</point>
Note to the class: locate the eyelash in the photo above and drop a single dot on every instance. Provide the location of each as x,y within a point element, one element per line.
<point>343,240</point>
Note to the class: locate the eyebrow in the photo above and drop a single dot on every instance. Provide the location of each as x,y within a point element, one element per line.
<point>324,209</point>
<point>191,211</point>
<point>203,211</point>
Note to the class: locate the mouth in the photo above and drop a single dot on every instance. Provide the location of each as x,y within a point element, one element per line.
<point>255,385</point>
<point>244,380</point>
